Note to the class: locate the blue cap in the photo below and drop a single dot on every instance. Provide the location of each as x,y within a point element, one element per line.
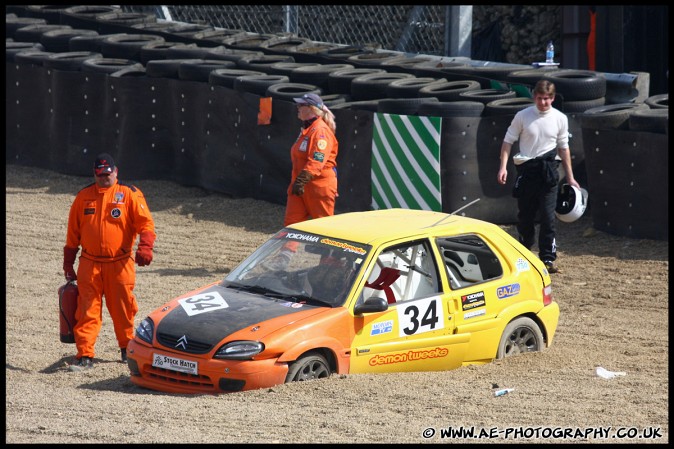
<point>310,99</point>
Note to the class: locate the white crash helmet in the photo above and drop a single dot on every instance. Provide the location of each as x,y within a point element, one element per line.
<point>571,203</point>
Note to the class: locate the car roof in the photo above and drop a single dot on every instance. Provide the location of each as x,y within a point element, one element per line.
<point>389,224</point>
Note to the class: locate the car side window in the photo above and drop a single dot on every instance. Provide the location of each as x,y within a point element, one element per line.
<point>402,273</point>
<point>468,260</point>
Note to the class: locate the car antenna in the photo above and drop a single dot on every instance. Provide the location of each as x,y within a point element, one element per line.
<point>458,210</point>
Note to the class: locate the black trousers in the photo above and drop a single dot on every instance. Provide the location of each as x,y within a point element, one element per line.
<point>537,194</point>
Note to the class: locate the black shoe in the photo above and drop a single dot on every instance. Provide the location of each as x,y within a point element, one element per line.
<point>82,364</point>
<point>552,268</point>
<point>123,351</point>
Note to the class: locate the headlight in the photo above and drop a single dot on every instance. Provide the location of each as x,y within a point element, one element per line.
<point>145,330</point>
<point>239,350</point>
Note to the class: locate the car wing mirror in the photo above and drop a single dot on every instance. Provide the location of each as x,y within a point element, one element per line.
<point>371,305</point>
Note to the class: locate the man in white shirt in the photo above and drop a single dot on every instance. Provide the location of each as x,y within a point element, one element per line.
<point>543,134</point>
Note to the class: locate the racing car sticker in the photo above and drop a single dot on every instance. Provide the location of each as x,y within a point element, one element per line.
<point>202,303</point>
<point>422,315</point>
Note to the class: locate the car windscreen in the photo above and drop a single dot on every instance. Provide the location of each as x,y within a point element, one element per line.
<point>302,267</point>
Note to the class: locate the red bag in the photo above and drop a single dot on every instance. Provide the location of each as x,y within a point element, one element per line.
<point>67,307</point>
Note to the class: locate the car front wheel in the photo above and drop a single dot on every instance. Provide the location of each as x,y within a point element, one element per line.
<point>520,335</point>
<point>308,367</point>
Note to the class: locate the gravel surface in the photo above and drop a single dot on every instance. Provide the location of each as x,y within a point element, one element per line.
<point>613,293</point>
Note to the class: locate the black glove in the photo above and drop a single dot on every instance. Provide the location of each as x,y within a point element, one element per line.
<point>69,255</point>
<point>303,178</point>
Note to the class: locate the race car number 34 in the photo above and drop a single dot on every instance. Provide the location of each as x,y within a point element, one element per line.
<point>175,364</point>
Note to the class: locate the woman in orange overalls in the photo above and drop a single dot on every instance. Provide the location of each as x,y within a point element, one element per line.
<point>313,187</point>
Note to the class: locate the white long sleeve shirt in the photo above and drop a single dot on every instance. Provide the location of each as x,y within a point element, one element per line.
<point>538,132</point>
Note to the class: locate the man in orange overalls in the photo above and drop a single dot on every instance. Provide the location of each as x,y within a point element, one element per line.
<point>104,220</point>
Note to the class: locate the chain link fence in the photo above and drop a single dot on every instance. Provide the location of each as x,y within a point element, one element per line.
<point>404,28</point>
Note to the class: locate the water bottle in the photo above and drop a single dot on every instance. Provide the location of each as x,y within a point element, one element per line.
<point>550,53</point>
<point>503,391</point>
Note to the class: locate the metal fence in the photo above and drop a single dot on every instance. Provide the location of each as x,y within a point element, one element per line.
<point>405,28</point>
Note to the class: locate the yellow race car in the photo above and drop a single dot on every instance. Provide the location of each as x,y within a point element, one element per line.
<point>364,292</point>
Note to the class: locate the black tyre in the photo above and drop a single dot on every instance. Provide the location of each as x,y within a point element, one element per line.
<point>107,65</point>
<point>487,95</point>
<point>258,84</point>
<point>286,68</point>
<point>651,120</point>
<point>249,42</point>
<point>12,48</point>
<point>288,91</point>
<point>317,75</point>
<point>71,60</point>
<point>578,85</point>
<point>226,77</point>
<point>658,101</point>
<point>230,54</point>
<point>158,50</point>
<point>89,43</point>
<point>126,18</point>
<point>368,105</point>
<point>59,40</point>
<point>490,72</point>
<point>452,109</point>
<point>507,106</point>
<point>404,64</point>
<point>373,59</point>
<point>448,90</point>
<point>188,51</point>
<point>200,69</point>
<point>218,35</point>
<point>282,45</point>
<point>432,68</point>
<point>127,46</point>
<point>308,367</point>
<point>571,107</point>
<point>262,63</point>
<point>403,106</point>
<point>331,100</point>
<point>135,71</point>
<point>527,76</point>
<point>35,57</point>
<point>373,86</point>
<point>12,24</point>
<point>344,53</point>
<point>520,335</point>
<point>165,68</point>
<point>614,116</point>
<point>409,88</point>
<point>33,33</point>
<point>339,82</point>
<point>83,16</point>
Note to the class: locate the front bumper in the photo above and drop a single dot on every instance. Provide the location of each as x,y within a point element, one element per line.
<point>214,376</point>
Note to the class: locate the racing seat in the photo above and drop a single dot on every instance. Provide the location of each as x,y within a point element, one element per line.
<point>386,278</point>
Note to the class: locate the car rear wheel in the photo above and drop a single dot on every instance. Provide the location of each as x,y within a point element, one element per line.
<point>520,335</point>
<point>308,367</point>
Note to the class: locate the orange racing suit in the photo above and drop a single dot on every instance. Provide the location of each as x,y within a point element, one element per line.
<point>105,222</point>
<point>315,151</point>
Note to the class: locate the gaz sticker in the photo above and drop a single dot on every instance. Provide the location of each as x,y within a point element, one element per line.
<point>202,303</point>
<point>423,315</point>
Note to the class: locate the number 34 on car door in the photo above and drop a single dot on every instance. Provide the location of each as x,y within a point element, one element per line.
<point>410,336</point>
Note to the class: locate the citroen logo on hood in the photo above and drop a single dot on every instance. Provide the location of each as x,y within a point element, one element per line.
<point>182,342</point>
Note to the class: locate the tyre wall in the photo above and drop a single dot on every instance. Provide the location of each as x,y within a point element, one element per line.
<point>207,135</point>
<point>628,182</point>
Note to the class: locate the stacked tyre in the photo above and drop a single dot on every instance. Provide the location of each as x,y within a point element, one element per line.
<point>654,118</point>
<point>580,89</point>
